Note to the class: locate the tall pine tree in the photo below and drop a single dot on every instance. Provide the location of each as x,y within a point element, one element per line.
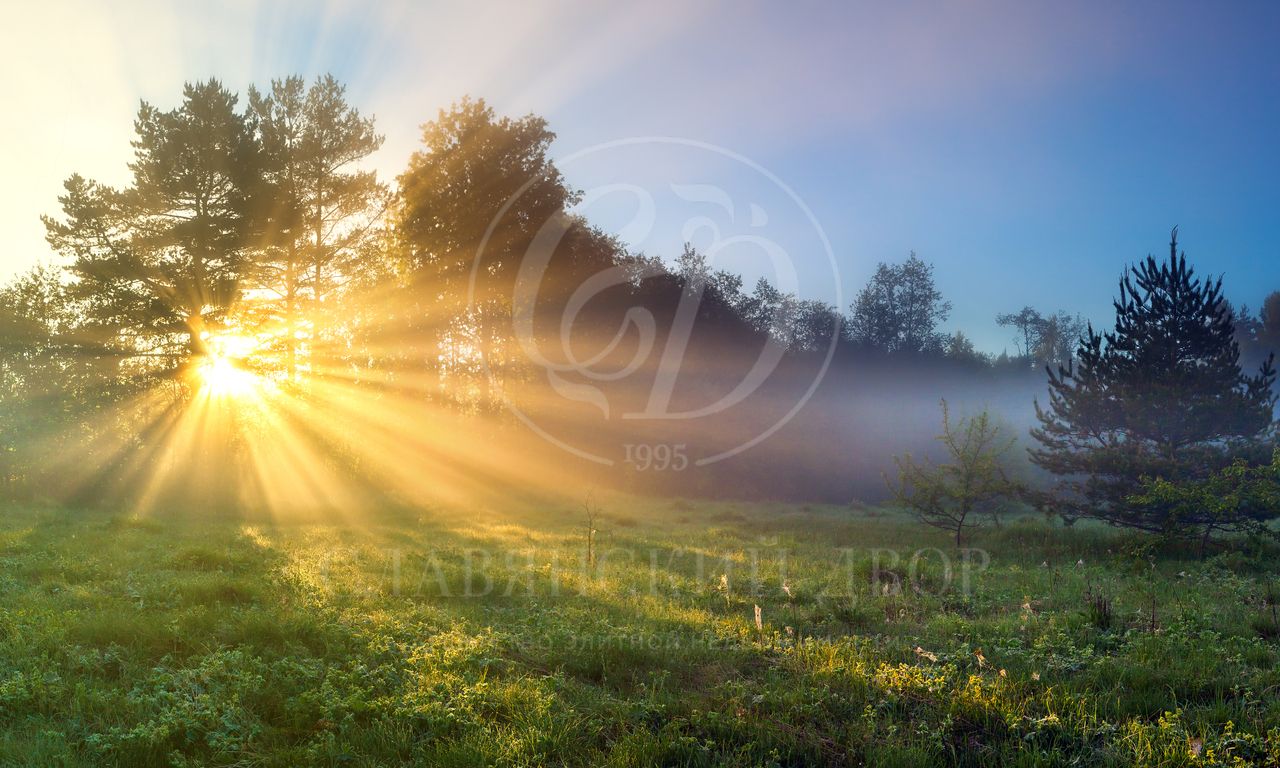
<point>159,261</point>
<point>1161,396</point>
<point>323,210</point>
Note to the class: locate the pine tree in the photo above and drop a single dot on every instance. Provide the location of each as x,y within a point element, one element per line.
<point>1161,396</point>
<point>324,210</point>
<point>158,261</point>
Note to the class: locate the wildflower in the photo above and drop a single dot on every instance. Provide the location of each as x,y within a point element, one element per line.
<point>1080,563</point>
<point>1044,564</point>
<point>1035,676</point>
<point>1003,673</point>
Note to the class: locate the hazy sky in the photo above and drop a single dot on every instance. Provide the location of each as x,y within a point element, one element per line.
<point>1027,149</point>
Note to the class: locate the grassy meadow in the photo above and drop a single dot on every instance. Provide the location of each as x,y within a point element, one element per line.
<point>487,636</point>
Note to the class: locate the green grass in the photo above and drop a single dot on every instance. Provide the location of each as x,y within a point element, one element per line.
<point>186,641</point>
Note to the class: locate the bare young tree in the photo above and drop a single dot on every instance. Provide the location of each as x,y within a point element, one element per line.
<point>591,513</point>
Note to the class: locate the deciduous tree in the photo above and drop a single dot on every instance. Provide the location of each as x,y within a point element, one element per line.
<point>971,479</point>
<point>899,310</point>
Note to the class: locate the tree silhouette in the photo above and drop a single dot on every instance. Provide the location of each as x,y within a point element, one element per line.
<point>157,262</point>
<point>1056,339</point>
<point>899,310</point>
<point>1267,336</point>
<point>471,166</point>
<point>473,199</point>
<point>1028,323</point>
<point>322,211</point>
<point>1044,339</point>
<point>1161,396</point>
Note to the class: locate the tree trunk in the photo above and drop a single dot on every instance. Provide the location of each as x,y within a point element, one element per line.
<point>196,344</point>
<point>291,313</point>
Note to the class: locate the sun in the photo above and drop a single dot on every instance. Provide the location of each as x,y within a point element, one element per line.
<point>221,376</point>
<point>221,372</point>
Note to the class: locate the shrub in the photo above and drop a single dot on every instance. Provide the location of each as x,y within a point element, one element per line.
<point>946,495</point>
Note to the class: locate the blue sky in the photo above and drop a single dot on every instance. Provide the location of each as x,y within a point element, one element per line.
<point>1027,149</point>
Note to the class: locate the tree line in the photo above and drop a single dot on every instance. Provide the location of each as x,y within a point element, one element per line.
<point>250,231</point>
